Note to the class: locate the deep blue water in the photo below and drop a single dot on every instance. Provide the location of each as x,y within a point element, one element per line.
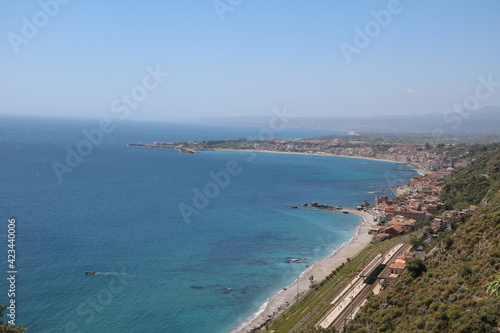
<point>117,212</point>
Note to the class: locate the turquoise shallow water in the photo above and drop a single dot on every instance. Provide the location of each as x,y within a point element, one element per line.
<point>118,213</point>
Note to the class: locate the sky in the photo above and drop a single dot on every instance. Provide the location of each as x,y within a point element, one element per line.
<point>160,60</point>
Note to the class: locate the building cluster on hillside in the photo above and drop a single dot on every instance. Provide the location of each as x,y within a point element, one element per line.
<point>399,265</point>
<point>417,201</point>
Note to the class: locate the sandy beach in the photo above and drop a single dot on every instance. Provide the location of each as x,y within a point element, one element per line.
<point>417,169</point>
<point>311,154</point>
<point>319,270</point>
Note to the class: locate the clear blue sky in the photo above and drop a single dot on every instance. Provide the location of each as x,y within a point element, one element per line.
<point>263,55</point>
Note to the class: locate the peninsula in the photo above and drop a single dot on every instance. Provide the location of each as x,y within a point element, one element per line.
<point>425,157</point>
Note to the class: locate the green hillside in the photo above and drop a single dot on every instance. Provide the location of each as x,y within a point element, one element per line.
<point>469,185</point>
<point>460,289</point>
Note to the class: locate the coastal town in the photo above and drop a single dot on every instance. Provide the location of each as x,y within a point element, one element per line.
<point>416,208</point>
<point>423,156</point>
<point>416,204</point>
<point>411,222</point>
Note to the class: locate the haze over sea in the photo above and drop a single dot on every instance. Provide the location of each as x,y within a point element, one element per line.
<point>117,214</point>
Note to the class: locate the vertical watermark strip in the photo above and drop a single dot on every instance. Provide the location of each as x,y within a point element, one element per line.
<point>11,271</point>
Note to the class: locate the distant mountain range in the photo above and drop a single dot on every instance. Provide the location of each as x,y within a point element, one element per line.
<point>482,121</point>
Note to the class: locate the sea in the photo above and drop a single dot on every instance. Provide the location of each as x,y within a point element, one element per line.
<point>178,242</point>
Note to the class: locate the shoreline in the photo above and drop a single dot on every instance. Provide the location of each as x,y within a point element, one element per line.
<point>319,269</point>
<point>417,169</point>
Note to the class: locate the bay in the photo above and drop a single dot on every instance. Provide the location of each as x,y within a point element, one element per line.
<point>118,213</point>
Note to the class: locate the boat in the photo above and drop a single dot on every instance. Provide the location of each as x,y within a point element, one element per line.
<point>89,273</point>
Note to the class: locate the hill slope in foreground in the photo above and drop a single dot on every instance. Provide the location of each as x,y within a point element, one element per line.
<point>458,289</point>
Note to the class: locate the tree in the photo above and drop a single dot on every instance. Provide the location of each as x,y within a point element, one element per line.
<point>448,242</point>
<point>415,242</point>
<point>416,267</point>
<point>465,271</point>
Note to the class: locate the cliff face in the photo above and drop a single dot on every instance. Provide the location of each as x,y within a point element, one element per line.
<point>451,295</point>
